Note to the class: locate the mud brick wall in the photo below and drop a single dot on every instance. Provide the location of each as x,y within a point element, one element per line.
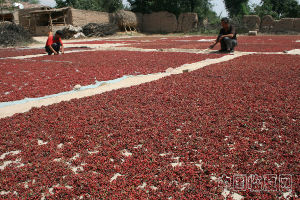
<point>268,25</point>
<point>16,17</point>
<point>251,22</point>
<point>187,22</point>
<point>83,17</point>
<point>297,25</point>
<point>42,31</point>
<point>23,19</point>
<point>139,17</point>
<point>159,22</point>
<point>284,25</point>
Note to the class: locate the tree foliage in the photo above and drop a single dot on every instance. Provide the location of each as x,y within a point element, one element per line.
<point>236,8</point>
<point>278,8</point>
<point>98,5</point>
<point>142,6</point>
<point>202,7</point>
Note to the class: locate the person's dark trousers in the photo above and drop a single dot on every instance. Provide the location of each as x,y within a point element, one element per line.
<point>228,44</point>
<point>55,46</point>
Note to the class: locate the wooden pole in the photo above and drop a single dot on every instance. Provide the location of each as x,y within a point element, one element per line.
<point>2,1</point>
<point>64,18</point>
<point>50,20</point>
<point>34,24</point>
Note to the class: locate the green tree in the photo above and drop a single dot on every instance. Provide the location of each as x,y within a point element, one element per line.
<point>143,6</point>
<point>98,5</point>
<point>65,3</point>
<point>201,7</point>
<point>111,5</point>
<point>237,8</point>
<point>278,9</point>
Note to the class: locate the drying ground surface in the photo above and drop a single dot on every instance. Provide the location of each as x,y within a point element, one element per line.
<point>180,137</point>
<point>13,52</point>
<point>245,43</point>
<point>46,75</point>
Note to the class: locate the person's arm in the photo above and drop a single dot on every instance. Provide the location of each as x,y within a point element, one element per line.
<point>214,44</point>
<point>228,35</point>
<point>51,48</point>
<point>62,46</point>
<point>217,41</point>
<point>231,34</point>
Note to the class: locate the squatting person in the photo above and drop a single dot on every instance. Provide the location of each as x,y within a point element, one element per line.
<point>227,37</point>
<point>54,43</point>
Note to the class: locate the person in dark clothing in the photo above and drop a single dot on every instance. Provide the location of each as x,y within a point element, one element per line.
<point>54,43</point>
<point>227,37</point>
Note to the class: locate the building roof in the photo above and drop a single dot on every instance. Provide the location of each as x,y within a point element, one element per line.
<point>29,5</point>
<point>5,12</point>
<point>50,10</point>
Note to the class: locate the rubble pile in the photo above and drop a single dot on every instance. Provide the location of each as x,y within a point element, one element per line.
<point>99,30</point>
<point>12,34</point>
<point>72,32</point>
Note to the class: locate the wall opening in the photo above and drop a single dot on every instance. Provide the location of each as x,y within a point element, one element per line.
<point>7,17</point>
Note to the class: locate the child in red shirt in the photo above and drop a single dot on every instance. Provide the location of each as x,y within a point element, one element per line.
<point>54,43</point>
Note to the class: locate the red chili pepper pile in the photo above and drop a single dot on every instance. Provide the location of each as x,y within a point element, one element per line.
<point>13,52</point>
<point>245,43</point>
<point>37,77</point>
<point>159,140</point>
